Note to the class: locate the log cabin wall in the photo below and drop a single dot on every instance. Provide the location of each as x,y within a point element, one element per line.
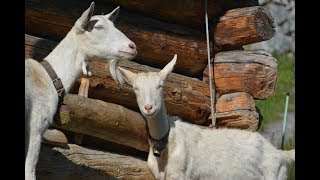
<point>160,29</point>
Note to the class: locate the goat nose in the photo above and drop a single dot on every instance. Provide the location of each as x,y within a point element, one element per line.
<point>148,107</point>
<point>132,45</point>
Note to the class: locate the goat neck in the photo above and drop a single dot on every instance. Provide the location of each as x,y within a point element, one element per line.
<point>158,125</point>
<point>66,60</point>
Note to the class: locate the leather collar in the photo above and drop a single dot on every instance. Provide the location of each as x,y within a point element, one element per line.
<point>159,144</point>
<point>55,79</point>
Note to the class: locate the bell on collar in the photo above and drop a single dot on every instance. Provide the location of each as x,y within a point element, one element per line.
<point>158,148</point>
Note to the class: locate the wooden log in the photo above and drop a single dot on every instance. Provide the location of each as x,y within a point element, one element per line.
<point>253,72</point>
<point>235,101</point>
<point>104,145</point>
<point>120,125</point>
<point>189,12</point>
<point>106,121</point>
<point>237,110</point>
<point>80,163</point>
<point>240,119</point>
<point>184,96</point>
<point>242,26</point>
<point>157,41</point>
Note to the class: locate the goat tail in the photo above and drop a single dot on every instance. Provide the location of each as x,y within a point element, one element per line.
<point>290,155</point>
<point>115,72</point>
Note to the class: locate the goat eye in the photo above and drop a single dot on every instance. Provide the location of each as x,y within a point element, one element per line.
<point>160,86</point>
<point>98,27</point>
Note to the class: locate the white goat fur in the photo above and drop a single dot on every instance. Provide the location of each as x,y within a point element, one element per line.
<point>90,37</point>
<point>197,152</point>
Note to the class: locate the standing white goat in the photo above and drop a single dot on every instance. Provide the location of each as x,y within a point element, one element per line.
<point>91,36</point>
<point>195,152</point>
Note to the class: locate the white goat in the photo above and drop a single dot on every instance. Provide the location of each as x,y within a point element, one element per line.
<point>196,152</point>
<point>91,36</point>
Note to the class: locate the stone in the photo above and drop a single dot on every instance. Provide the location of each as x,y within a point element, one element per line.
<point>264,2</point>
<point>280,43</point>
<point>54,137</point>
<point>278,12</point>
<point>283,12</point>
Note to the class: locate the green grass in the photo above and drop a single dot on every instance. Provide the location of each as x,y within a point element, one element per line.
<point>273,106</point>
<point>290,144</point>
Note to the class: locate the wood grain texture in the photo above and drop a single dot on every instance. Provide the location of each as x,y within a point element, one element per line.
<point>104,145</point>
<point>106,121</point>
<point>81,163</point>
<point>156,41</point>
<point>184,96</point>
<point>235,101</point>
<point>242,26</point>
<point>240,119</point>
<point>253,72</point>
<point>188,12</point>
<point>237,110</point>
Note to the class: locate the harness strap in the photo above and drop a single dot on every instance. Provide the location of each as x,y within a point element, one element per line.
<point>54,77</point>
<point>59,87</point>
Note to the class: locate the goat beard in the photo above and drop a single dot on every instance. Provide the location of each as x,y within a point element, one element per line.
<point>115,72</point>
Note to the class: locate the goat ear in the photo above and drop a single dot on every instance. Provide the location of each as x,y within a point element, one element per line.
<point>168,68</point>
<point>113,15</point>
<point>82,22</point>
<point>128,75</point>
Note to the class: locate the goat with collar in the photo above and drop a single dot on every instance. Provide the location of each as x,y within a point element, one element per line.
<point>197,152</point>
<point>92,36</point>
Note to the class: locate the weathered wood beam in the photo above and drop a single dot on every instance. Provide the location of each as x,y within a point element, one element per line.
<point>189,12</point>
<point>237,110</point>
<point>104,120</point>
<point>240,119</point>
<point>80,163</point>
<point>156,41</point>
<point>253,72</point>
<point>242,26</point>
<point>104,145</point>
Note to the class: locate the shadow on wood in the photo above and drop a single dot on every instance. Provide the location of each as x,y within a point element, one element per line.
<point>79,163</point>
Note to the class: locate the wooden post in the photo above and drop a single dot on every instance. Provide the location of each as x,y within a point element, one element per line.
<point>84,87</point>
<point>83,91</point>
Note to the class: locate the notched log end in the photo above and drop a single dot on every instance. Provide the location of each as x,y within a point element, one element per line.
<point>265,24</point>
<point>241,119</point>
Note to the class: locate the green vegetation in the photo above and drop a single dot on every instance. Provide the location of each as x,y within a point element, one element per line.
<point>290,144</point>
<point>274,106</point>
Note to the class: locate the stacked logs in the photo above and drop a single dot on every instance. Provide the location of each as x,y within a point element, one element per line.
<point>110,118</point>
